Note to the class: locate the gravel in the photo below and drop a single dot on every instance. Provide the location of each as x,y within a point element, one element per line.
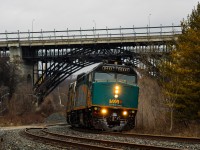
<point>55,118</point>
<point>2,133</point>
<point>12,139</point>
<point>179,145</point>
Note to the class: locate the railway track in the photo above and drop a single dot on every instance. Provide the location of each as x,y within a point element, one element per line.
<point>43,135</point>
<point>59,142</point>
<point>143,136</point>
<point>155,137</point>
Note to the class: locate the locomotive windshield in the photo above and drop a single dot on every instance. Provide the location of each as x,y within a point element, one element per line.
<point>129,79</point>
<point>102,77</point>
<point>112,77</point>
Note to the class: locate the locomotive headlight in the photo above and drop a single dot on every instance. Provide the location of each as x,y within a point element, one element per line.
<point>116,87</point>
<point>116,90</point>
<point>125,113</point>
<point>116,96</point>
<point>104,111</point>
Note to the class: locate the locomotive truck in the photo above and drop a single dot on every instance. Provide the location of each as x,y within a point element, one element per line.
<point>105,98</point>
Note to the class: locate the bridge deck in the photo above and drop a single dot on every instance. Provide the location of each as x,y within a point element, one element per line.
<point>94,36</point>
<point>141,39</point>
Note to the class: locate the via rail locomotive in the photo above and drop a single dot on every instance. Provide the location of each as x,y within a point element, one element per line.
<point>105,98</point>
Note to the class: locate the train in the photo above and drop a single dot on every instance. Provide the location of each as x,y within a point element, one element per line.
<point>105,98</point>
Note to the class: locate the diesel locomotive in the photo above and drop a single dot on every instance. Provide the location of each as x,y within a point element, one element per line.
<point>105,98</point>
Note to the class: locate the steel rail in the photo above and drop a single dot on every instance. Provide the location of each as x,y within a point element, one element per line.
<point>157,137</point>
<point>63,142</point>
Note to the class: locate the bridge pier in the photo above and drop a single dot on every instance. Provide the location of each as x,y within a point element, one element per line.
<point>26,67</point>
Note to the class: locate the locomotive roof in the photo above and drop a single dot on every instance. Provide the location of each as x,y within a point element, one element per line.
<point>130,70</point>
<point>124,69</point>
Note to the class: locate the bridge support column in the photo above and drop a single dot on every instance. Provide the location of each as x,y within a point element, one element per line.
<point>26,67</point>
<point>15,52</point>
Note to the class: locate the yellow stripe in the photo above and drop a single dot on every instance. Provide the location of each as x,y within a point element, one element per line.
<point>80,107</point>
<point>119,107</point>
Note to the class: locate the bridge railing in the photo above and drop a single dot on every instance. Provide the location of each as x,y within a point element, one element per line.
<point>90,33</point>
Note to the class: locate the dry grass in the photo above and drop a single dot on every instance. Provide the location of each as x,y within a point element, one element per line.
<point>26,119</point>
<point>191,130</point>
<point>22,109</point>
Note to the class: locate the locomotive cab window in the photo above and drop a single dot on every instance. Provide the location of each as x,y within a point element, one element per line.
<point>114,77</point>
<point>102,77</point>
<point>129,79</point>
<point>81,78</point>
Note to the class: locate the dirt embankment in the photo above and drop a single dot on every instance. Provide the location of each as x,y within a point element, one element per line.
<point>151,110</point>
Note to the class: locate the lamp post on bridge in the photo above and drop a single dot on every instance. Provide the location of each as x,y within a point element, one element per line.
<point>32,28</point>
<point>149,22</point>
<point>94,27</point>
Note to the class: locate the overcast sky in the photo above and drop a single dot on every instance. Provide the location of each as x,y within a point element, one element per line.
<point>73,14</point>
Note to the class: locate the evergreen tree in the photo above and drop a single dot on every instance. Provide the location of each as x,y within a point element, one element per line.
<point>182,70</point>
<point>187,56</point>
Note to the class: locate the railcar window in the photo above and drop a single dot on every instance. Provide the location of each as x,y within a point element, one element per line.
<point>129,79</point>
<point>99,77</point>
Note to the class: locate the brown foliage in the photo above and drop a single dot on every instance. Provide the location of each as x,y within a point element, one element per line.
<point>9,74</point>
<point>151,111</point>
<point>25,119</point>
<point>22,101</point>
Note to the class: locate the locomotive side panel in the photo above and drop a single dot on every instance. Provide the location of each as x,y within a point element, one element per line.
<point>71,97</point>
<point>79,95</point>
<point>80,100</point>
<point>83,97</point>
